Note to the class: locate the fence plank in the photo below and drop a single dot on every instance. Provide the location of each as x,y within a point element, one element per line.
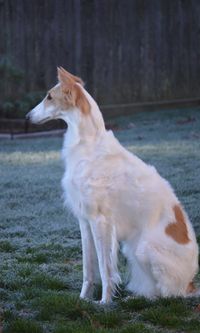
<point>126,51</point>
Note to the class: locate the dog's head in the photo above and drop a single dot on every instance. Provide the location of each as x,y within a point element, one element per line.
<point>62,101</point>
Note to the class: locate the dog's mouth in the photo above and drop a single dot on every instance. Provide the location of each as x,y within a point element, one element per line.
<point>42,121</point>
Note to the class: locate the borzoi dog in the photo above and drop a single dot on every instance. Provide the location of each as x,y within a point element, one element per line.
<point>117,198</point>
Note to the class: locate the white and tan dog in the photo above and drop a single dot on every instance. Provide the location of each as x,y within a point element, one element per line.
<point>118,198</point>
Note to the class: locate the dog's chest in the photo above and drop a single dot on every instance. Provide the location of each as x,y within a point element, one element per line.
<point>75,186</point>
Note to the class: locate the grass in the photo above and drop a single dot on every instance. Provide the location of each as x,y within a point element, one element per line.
<point>40,246</point>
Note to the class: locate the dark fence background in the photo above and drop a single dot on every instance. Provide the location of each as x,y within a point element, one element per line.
<point>125,50</point>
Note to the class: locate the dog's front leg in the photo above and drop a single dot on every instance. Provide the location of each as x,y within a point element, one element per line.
<point>106,247</point>
<point>90,262</point>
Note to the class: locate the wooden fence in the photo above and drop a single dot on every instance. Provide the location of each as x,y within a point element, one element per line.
<point>126,50</point>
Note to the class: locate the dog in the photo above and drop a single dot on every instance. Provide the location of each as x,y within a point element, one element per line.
<point>118,199</point>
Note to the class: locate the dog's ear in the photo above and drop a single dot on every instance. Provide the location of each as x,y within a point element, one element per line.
<point>62,73</point>
<point>72,92</point>
<point>63,78</point>
<point>73,77</point>
<point>67,86</point>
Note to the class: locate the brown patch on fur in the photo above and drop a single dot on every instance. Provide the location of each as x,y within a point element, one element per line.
<point>191,288</point>
<point>71,93</point>
<point>81,101</point>
<point>178,230</point>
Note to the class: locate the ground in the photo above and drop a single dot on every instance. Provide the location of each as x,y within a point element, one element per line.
<point>40,248</point>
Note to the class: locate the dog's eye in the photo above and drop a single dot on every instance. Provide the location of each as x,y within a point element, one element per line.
<point>49,96</point>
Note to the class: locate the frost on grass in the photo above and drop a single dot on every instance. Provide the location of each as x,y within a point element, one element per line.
<point>40,246</point>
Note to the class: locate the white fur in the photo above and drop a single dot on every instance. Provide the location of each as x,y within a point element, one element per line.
<point>118,198</point>
<point>40,114</point>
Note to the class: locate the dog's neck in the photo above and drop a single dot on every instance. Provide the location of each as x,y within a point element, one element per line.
<point>83,129</point>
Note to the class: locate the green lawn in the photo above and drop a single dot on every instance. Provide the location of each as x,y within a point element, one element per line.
<point>40,248</point>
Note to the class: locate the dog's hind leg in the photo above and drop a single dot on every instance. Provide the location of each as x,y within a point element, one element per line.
<point>90,261</point>
<point>173,270</point>
<point>142,282</point>
<point>106,244</point>
<point>164,270</point>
